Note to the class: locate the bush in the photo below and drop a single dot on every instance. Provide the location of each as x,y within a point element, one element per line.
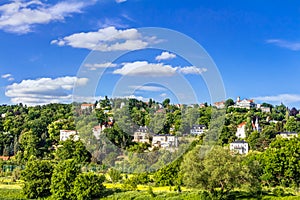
<point>278,191</point>
<point>88,186</point>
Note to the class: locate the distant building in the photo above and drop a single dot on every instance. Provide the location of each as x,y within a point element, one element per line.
<point>165,141</point>
<point>86,106</point>
<point>287,135</point>
<point>245,103</point>
<point>241,130</point>
<point>142,135</point>
<point>255,125</point>
<point>239,146</point>
<point>97,131</point>
<point>66,134</point>
<point>3,115</point>
<point>265,109</point>
<point>220,104</point>
<point>197,129</point>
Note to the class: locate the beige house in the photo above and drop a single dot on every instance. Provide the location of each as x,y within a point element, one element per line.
<point>142,135</point>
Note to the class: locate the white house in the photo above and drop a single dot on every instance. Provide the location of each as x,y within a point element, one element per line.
<point>220,104</point>
<point>97,130</point>
<point>239,146</point>
<point>287,135</point>
<point>165,141</point>
<point>197,129</point>
<point>141,135</point>
<point>86,106</point>
<point>245,103</point>
<point>241,130</point>
<point>66,134</point>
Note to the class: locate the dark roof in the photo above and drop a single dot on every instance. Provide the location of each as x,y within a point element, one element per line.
<point>142,129</point>
<point>240,141</point>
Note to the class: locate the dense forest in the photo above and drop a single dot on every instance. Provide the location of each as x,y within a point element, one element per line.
<point>78,169</point>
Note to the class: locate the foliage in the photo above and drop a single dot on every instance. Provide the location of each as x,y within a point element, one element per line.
<point>88,186</point>
<point>37,178</point>
<point>114,175</point>
<point>62,180</point>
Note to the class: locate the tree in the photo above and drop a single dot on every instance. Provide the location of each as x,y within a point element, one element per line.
<point>229,102</point>
<point>37,178</point>
<point>62,180</point>
<point>73,150</point>
<point>218,171</point>
<point>291,125</point>
<point>88,186</point>
<point>166,103</point>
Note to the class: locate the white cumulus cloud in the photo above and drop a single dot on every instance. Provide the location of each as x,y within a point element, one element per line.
<point>20,16</point>
<point>143,68</point>
<point>165,56</point>
<point>94,66</point>
<point>107,39</point>
<point>43,90</point>
<point>192,70</point>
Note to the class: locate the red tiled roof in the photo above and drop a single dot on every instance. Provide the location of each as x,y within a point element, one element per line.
<point>242,124</point>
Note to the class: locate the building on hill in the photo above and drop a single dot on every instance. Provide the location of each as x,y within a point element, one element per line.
<point>98,130</point>
<point>255,125</point>
<point>141,135</point>
<point>198,129</point>
<point>241,130</point>
<point>245,103</point>
<point>287,135</point>
<point>220,105</point>
<point>239,146</point>
<point>165,141</point>
<point>86,106</point>
<point>68,134</point>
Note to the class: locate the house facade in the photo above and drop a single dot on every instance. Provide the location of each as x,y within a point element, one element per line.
<point>241,130</point>
<point>165,141</point>
<point>142,135</point>
<point>245,103</point>
<point>66,134</point>
<point>197,129</point>
<point>86,106</point>
<point>97,131</point>
<point>239,146</point>
<point>220,105</point>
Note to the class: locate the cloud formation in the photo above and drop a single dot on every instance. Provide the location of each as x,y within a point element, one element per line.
<point>284,98</point>
<point>21,16</point>
<point>44,90</point>
<point>294,46</point>
<point>94,66</point>
<point>8,77</point>
<point>107,39</point>
<point>165,56</point>
<point>144,68</point>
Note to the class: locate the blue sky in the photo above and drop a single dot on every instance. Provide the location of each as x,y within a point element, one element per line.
<point>46,48</point>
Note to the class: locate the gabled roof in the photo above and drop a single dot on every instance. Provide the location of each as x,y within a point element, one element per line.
<point>242,124</point>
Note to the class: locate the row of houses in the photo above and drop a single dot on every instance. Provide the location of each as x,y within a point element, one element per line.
<point>243,103</point>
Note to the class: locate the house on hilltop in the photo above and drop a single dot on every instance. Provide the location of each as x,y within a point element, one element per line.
<point>142,135</point>
<point>220,105</point>
<point>86,106</point>
<point>165,141</point>
<point>245,103</point>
